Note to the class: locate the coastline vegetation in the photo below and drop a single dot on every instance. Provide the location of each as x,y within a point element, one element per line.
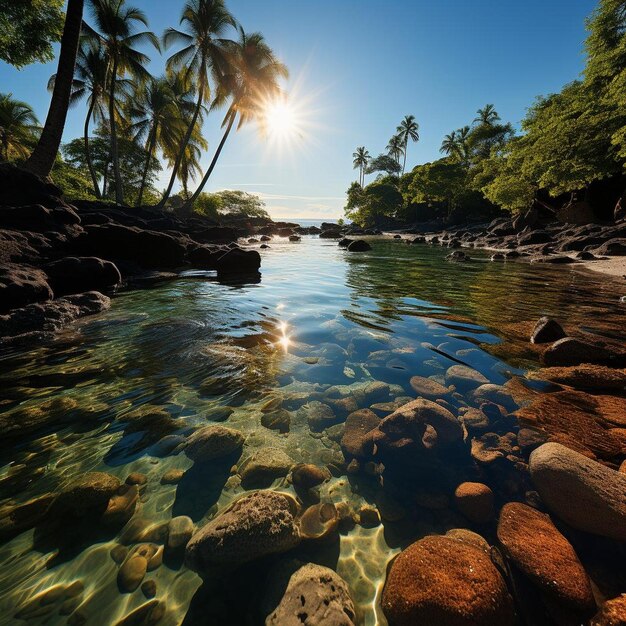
<point>569,144</point>
<point>137,122</point>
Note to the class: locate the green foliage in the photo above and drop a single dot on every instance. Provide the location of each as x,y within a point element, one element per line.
<point>27,30</point>
<point>380,198</point>
<point>18,128</point>
<point>383,163</point>
<point>73,180</point>
<point>230,204</point>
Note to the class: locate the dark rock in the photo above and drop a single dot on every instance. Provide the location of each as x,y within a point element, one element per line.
<point>295,238</point>
<point>213,442</point>
<point>330,234</point>
<point>613,247</point>
<point>237,261</point>
<point>547,330</point>
<point>78,274</point>
<point>359,246</point>
<point>345,242</point>
<point>571,351</point>
<point>21,285</point>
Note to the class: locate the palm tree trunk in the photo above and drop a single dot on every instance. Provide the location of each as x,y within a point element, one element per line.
<point>151,144</point>
<point>406,145</point>
<point>119,193</point>
<point>189,203</point>
<point>42,158</point>
<point>183,147</point>
<point>94,178</point>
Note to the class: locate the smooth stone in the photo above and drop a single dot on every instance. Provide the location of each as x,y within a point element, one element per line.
<point>571,351</point>
<point>131,573</point>
<point>149,589</point>
<point>315,596</point>
<point>542,553</point>
<point>306,476</point>
<point>264,466</point>
<point>218,413</point>
<point>356,440</point>
<point>180,531</point>
<point>213,442</point>
<point>318,521</point>
<point>135,478</point>
<point>582,492</point>
<point>440,581</point>
<point>461,375</point>
<point>475,501</point>
<point>172,477</point>
<point>279,419</point>
<point>428,387</point>
<point>255,525</point>
<point>319,415</point>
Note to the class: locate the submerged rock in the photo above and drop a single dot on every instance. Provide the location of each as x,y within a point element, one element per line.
<point>316,596</point>
<point>359,246</point>
<point>255,525</point>
<point>213,442</point>
<point>584,376</point>
<point>475,501</point>
<point>440,581</point>
<point>264,466</point>
<point>306,476</point>
<point>544,555</point>
<point>571,351</point>
<point>584,493</point>
<point>357,436</point>
<point>429,388</point>
<point>612,613</point>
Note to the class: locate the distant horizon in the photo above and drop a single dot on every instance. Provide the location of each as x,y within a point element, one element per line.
<point>447,60</point>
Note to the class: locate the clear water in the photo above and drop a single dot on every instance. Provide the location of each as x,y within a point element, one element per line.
<point>319,316</point>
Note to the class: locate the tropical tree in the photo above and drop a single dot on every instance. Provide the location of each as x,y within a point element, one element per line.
<point>383,163</point>
<point>18,124</point>
<point>450,144</point>
<point>395,148</point>
<point>157,121</point>
<point>252,82</point>
<point>204,54</point>
<point>487,115</point>
<point>42,158</point>
<point>361,158</point>
<point>90,81</point>
<point>115,31</point>
<point>408,129</point>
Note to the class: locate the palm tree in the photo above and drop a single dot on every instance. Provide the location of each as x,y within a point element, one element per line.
<point>361,159</point>
<point>487,115</point>
<point>408,129</point>
<point>204,53</point>
<point>251,82</point>
<point>463,135</point>
<point>116,25</point>
<point>450,144</point>
<point>157,120</point>
<point>90,78</point>
<point>395,148</point>
<point>42,158</point>
<point>18,124</point>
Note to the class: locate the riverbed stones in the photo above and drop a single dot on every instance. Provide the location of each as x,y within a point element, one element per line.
<point>305,476</point>
<point>357,440</point>
<point>316,596</point>
<point>584,376</point>
<point>87,495</point>
<point>264,466</point>
<point>545,556</point>
<point>440,581</point>
<point>584,493</point>
<point>319,415</point>
<point>428,388</point>
<point>547,330</point>
<point>464,376</point>
<point>213,442</point>
<point>475,501</point>
<point>255,525</point>
<point>172,477</point>
<point>180,530</point>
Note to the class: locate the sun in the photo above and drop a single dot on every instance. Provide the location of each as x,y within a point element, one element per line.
<point>280,119</point>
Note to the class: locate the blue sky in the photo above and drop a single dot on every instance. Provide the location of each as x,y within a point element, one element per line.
<point>357,67</point>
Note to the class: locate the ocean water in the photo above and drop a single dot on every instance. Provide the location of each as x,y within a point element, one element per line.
<point>320,326</point>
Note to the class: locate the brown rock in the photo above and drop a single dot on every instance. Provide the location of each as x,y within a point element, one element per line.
<point>213,442</point>
<point>475,501</point>
<point>584,376</point>
<point>131,573</point>
<point>306,475</point>
<point>428,388</point>
<point>542,553</point>
<point>612,613</point>
<point>172,477</point>
<point>571,351</point>
<point>547,330</point>
<point>440,581</point>
<point>357,440</point>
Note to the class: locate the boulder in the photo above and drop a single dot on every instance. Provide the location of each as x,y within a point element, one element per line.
<point>317,596</point>
<point>570,351</point>
<point>584,376</point>
<point>78,274</point>
<point>255,525</point>
<point>305,476</point>
<point>547,330</point>
<point>357,436</point>
<point>330,234</point>
<point>464,376</point>
<point>21,285</point>
<point>237,261</point>
<point>584,493</point>
<point>359,246</point>
<point>545,556</point>
<point>613,247</point>
<point>345,242</point>
<point>213,442</point>
<point>475,501</point>
<point>180,530</point>
<point>612,613</point>
<point>441,581</point>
